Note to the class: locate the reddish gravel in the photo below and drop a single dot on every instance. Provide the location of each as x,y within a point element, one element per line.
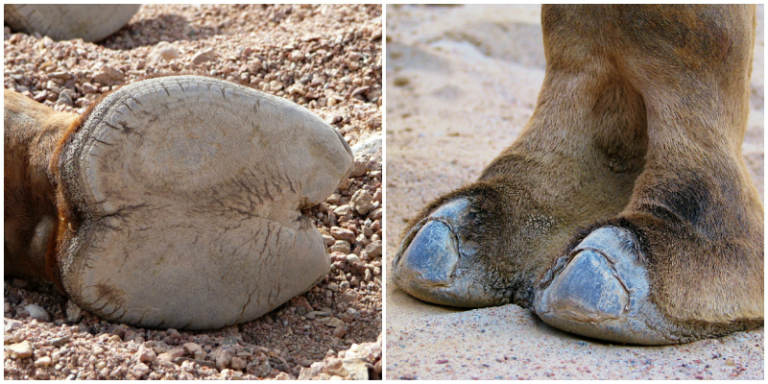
<point>324,57</point>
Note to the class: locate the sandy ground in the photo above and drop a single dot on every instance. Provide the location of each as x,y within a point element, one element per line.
<point>461,83</point>
<point>326,58</point>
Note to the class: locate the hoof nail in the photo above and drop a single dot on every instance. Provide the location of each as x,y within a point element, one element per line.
<point>603,292</point>
<point>435,266</point>
<point>587,290</point>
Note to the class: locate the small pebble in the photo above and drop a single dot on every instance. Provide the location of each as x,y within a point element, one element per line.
<point>74,313</point>
<point>43,362</point>
<point>297,55</point>
<point>340,332</point>
<point>353,259</point>
<point>202,57</point>
<point>12,325</point>
<point>350,296</point>
<point>59,341</point>
<point>21,350</point>
<point>341,246</point>
<point>373,249</point>
<point>37,312</point>
<point>342,210</point>
<point>108,76</point>
<point>171,354</point>
<point>146,355</point>
<point>223,357</point>
<point>343,234</point>
<point>139,370</point>
<point>163,51</point>
<point>237,363</point>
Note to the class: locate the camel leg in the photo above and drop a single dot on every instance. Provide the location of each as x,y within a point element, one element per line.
<point>575,162</point>
<point>684,259</point>
<point>32,131</point>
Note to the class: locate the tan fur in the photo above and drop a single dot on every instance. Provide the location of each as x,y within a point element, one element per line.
<point>639,124</point>
<point>32,132</point>
<point>694,203</point>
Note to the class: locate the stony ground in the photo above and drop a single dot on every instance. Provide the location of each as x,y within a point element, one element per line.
<point>326,58</point>
<point>462,82</point>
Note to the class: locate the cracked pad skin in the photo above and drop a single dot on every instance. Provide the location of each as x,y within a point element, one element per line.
<point>636,141</point>
<point>180,203</point>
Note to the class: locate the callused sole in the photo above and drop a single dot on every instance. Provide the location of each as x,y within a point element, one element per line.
<point>186,195</point>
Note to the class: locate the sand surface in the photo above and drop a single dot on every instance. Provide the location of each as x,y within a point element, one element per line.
<point>461,84</point>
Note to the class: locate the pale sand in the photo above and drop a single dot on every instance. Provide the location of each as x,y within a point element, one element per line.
<point>467,80</point>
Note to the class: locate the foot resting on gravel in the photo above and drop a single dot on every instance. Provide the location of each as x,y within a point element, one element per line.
<point>174,202</point>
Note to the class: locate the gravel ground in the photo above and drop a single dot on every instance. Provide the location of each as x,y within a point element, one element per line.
<point>461,84</point>
<point>324,57</point>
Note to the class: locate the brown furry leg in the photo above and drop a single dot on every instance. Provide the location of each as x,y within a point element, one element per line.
<point>32,131</point>
<point>684,259</point>
<point>575,163</point>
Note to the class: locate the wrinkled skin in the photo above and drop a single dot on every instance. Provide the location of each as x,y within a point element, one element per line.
<point>173,202</point>
<point>624,211</point>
